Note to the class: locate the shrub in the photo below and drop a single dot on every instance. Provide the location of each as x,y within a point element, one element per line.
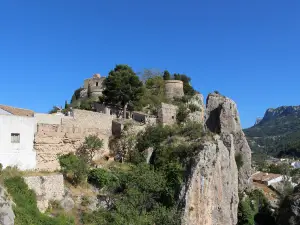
<point>245,213</point>
<point>99,177</point>
<point>239,160</point>
<point>192,130</point>
<point>91,145</point>
<point>194,108</point>
<point>85,201</point>
<point>1,167</point>
<point>182,114</point>
<point>74,168</point>
<point>26,210</point>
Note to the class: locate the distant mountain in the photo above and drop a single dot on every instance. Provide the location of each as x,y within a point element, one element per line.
<point>277,133</point>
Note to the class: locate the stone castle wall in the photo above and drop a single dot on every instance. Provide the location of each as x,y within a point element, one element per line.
<point>173,88</point>
<point>167,114</point>
<point>52,140</point>
<point>88,119</point>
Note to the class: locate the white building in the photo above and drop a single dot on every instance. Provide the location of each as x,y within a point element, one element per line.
<point>17,127</point>
<point>266,178</point>
<point>296,165</point>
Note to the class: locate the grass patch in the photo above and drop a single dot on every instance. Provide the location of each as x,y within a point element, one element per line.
<point>26,210</point>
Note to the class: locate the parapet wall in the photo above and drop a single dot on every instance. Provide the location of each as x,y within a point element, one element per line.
<point>88,119</point>
<point>173,88</point>
<point>52,140</point>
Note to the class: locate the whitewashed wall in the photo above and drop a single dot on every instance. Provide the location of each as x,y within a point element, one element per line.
<point>17,154</point>
<point>275,180</point>
<point>4,112</point>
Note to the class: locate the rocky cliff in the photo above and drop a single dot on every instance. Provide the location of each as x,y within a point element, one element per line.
<point>211,195</point>
<point>289,213</point>
<point>7,215</point>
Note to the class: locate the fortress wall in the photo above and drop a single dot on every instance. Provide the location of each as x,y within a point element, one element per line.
<point>88,119</point>
<point>167,114</point>
<point>173,88</point>
<point>52,140</point>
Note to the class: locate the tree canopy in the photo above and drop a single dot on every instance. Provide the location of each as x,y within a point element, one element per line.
<point>121,87</point>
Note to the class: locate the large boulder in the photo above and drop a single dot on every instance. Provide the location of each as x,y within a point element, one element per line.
<point>7,215</point>
<point>289,213</point>
<point>222,117</point>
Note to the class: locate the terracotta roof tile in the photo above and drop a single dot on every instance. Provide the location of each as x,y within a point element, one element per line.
<point>17,111</point>
<point>260,176</point>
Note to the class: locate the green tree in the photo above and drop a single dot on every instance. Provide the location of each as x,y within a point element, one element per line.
<point>245,212</point>
<point>53,110</point>
<point>176,76</point>
<point>91,145</point>
<point>121,87</point>
<point>167,75</point>
<point>66,104</point>
<point>73,168</point>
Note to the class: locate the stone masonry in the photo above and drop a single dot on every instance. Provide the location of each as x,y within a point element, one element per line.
<point>54,139</point>
<point>173,88</point>
<point>167,114</point>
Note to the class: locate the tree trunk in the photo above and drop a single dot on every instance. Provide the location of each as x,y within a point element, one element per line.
<point>124,110</point>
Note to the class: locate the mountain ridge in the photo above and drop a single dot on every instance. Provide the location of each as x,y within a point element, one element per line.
<point>278,132</point>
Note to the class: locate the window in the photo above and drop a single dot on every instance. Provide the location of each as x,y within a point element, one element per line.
<point>97,84</point>
<point>15,138</point>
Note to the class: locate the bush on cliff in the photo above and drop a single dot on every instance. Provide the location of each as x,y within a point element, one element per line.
<point>100,177</point>
<point>135,196</point>
<point>74,168</point>
<point>255,208</point>
<point>26,210</point>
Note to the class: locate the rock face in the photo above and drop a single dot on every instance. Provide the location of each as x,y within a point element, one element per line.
<point>211,195</point>
<point>222,118</point>
<point>46,188</point>
<point>197,116</point>
<point>7,215</point>
<point>289,213</point>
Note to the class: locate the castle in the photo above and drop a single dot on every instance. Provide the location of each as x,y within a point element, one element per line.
<point>32,140</point>
<point>94,85</point>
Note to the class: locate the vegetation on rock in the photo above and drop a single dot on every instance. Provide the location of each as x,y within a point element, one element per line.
<point>26,210</point>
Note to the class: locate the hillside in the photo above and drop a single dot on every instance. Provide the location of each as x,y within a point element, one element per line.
<point>278,133</point>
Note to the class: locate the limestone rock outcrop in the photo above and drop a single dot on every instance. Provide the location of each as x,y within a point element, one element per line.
<point>198,115</point>
<point>222,118</point>
<point>47,188</point>
<point>289,213</point>
<point>210,197</point>
<point>7,215</point>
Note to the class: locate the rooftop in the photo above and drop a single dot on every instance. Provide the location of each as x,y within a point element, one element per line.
<point>260,176</point>
<point>17,111</point>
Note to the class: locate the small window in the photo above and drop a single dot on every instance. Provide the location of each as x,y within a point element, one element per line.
<point>97,84</point>
<point>15,138</point>
<point>173,117</point>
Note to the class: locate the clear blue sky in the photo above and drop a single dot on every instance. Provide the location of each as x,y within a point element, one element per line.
<point>248,50</point>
